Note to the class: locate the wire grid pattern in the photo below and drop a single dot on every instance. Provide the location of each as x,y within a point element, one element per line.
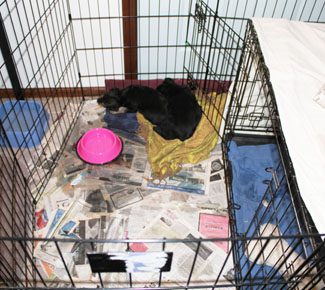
<point>56,48</point>
<point>253,115</point>
<point>41,42</point>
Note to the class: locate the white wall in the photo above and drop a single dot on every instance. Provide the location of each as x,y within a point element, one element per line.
<point>162,31</point>
<point>40,58</point>
<point>41,41</point>
<point>99,41</point>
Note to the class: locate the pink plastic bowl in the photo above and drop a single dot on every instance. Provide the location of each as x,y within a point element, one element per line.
<point>99,146</point>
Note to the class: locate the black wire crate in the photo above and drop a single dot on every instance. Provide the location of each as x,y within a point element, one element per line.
<point>58,57</point>
<point>276,243</point>
<point>263,193</point>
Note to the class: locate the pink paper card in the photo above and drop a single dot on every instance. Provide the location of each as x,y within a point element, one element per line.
<point>138,247</point>
<point>215,226</point>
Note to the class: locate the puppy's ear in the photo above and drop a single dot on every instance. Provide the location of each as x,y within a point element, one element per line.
<point>169,81</point>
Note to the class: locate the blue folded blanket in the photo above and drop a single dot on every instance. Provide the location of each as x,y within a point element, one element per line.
<point>124,121</point>
<point>248,178</point>
<point>124,124</point>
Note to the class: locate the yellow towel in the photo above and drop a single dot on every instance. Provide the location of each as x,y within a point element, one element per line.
<point>167,157</point>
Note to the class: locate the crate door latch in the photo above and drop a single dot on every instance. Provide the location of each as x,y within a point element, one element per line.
<point>199,17</point>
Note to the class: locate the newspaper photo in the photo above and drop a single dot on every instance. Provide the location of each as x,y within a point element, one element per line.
<point>120,176</point>
<point>95,198</point>
<point>126,197</point>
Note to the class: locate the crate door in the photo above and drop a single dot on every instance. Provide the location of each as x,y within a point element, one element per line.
<point>211,60</point>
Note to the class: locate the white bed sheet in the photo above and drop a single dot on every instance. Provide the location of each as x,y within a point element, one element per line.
<point>295,55</point>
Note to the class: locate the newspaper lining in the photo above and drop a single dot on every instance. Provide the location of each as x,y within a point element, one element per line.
<point>116,201</point>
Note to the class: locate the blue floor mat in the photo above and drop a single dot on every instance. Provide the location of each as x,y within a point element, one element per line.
<point>249,184</point>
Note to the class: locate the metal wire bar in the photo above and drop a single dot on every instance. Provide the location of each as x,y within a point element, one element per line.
<point>64,263</point>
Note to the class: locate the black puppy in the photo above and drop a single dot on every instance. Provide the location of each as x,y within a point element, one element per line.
<point>149,102</point>
<point>183,111</point>
<point>171,108</point>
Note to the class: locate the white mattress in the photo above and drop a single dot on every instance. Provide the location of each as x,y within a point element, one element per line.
<point>295,55</point>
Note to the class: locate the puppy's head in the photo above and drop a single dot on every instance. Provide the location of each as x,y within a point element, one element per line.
<point>111,100</point>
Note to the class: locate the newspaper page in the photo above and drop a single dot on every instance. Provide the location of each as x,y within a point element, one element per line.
<point>210,258</point>
<point>62,223</point>
<point>197,178</point>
